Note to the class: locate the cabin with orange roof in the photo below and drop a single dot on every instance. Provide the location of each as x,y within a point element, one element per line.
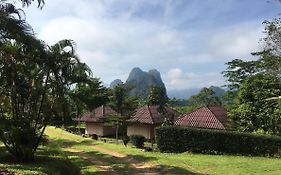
<point>147,118</point>
<point>95,119</point>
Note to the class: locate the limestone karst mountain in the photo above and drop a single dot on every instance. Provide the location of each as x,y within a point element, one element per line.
<point>139,82</point>
<point>114,83</point>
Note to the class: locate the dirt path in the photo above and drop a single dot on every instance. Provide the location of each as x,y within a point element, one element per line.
<point>137,166</point>
<point>109,152</point>
<point>102,166</point>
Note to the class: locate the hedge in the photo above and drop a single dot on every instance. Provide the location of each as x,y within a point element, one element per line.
<point>181,139</point>
<point>137,140</point>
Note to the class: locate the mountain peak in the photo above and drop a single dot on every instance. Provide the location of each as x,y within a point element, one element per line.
<point>135,73</point>
<point>141,81</point>
<point>115,83</point>
<point>136,69</point>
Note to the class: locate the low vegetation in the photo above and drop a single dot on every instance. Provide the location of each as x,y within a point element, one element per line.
<point>137,140</point>
<point>67,153</point>
<point>49,159</point>
<point>179,139</point>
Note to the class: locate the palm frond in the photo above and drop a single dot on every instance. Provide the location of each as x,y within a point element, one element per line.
<point>41,3</point>
<point>64,45</point>
<point>13,24</point>
<point>273,98</point>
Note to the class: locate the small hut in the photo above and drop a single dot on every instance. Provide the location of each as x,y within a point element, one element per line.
<point>147,118</point>
<point>95,121</point>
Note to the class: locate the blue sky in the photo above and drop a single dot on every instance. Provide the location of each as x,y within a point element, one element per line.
<point>188,41</point>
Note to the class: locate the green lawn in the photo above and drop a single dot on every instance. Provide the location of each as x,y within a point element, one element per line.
<point>57,158</point>
<point>49,160</point>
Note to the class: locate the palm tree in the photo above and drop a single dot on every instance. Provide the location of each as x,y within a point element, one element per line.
<point>32,80</point>
<point>66,70</point>
<point>24,79</point>
<point>14,26</point>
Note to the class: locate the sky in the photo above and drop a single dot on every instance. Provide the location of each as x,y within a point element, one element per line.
<point>188,41</point>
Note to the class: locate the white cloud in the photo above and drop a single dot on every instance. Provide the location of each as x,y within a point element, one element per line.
<point>112,40</point>
<point>178,79</point>
<point>236,41</point>
<point>112,44</point>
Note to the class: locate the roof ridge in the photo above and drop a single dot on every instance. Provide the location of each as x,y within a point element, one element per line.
<point>170,108</point>
<point>102,112</point>
<point>192,111</point>
<point>215,115</point>
<point>150,114</point>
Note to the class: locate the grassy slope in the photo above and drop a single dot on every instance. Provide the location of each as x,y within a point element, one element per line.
<point>184,163</point>
<point>208,164</point>
<point>49,160</point>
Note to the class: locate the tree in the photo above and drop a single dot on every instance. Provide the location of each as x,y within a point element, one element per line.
<point>257,83</point>
<point>13,24</point>
<point>269,61</point>
<point>86,96</point>
<point>32,82</point>
<point>92,93</point>
<point>237,70</point>
<point>252,113</point>
<point>157,96</point>
<point>206,96</point>
<point>270,57</point>
<point>123,104</point>
<point>20,93</point>
<point>67,71</point>
<point>33,79</point>
<point>24,80</point>
<point>117,121</point>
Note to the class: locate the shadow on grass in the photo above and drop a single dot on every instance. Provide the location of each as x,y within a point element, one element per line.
<point>68,143</point>
<point>140,162</point>
<point>107,164</point>
<point>43,164</point>
<point>131,164</point>
<point>52,160</point>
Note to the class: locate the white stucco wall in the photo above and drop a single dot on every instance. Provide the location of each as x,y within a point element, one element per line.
<point>138,129</point>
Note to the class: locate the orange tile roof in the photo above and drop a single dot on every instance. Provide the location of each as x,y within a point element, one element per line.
<point>214,117</point>
<point>151,114</point>
<point>98,114</point>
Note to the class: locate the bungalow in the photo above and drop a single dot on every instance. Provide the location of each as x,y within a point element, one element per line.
<point>212,117</point>
<point>146,118</point>
<point>95,121</point>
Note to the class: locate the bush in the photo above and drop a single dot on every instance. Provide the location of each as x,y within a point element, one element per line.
<point>179,139</point>
<point>125,140</point>
<point>94,136</point>
<point>148,149</point>
<point>137,140</point>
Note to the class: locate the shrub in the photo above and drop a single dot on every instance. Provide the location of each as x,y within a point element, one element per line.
<point>94,136</point>
<point>137,140</point>
<point>179,139</point>
<point>148,149</point>
<point>125,140</point>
